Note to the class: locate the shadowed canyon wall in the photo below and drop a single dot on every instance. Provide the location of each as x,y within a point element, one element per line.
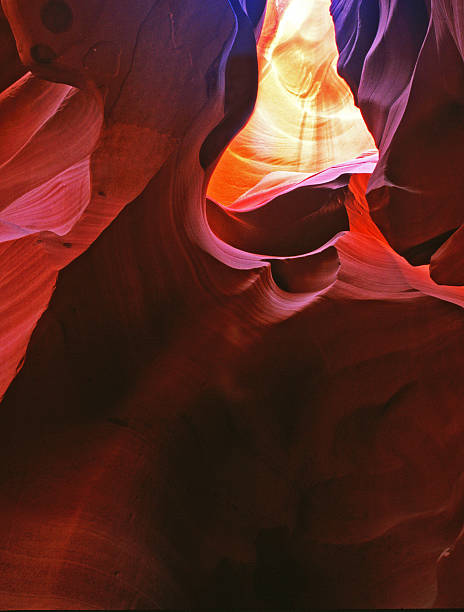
<point>251,399</point>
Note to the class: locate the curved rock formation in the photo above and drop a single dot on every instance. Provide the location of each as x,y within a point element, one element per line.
<point>412,103</point>
<point>305,119</point>
<point>248,406</point>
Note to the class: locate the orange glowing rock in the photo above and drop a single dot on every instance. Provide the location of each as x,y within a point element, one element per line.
<point>268,382</point>
<point>305,118</point>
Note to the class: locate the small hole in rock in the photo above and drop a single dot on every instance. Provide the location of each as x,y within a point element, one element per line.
<point>57,16</point>
<point>42,54</point>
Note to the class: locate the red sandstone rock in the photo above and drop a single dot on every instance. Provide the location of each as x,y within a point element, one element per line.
<point>412,102</point>
<point>256,406</point>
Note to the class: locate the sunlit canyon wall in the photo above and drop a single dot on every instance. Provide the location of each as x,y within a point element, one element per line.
<point>305,119</point>
<point>231,359</point>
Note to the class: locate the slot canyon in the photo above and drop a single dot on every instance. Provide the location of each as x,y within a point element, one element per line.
<point>231,304</point>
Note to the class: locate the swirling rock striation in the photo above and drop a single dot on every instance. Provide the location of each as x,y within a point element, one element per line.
<point>248,406</point>
<point>413,104</point>
<point>305,119</point>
